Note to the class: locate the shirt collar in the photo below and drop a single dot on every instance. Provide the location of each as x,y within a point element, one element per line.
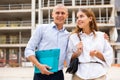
<point>84,34</point>
<point>54,26</point>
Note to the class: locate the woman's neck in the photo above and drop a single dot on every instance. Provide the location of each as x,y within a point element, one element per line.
<point>87,31</point>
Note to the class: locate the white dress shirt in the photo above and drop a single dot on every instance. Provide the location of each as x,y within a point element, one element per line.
<point>99,43</point>
<point>47,36</point>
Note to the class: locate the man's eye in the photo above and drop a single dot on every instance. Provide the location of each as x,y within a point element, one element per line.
<point>57,12</point>
<point>62,13</point>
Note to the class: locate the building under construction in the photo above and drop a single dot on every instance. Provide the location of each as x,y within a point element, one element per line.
<point>18,19</point>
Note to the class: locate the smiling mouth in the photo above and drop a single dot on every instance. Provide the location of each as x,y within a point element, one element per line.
<point>60,20</point>
<point>80,23</point>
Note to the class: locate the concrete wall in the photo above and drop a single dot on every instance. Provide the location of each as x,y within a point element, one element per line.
<point>117,5</point>
<point>117,21</point>
<point>118,40</point>
<point>117,18</point>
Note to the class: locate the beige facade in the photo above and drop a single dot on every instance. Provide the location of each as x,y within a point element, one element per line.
<point>18,19</point>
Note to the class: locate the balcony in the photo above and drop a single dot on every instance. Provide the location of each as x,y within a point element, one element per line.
<point>13,40</point>
<point>51,3</point>
<point>15,25</point>
<point>92,2</point>
<point>13,43</point>
<point>15,6</point>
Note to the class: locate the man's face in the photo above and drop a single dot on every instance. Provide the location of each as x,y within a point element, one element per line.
<point>59,15</point>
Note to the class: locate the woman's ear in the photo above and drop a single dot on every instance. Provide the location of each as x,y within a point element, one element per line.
<point>90,19</point>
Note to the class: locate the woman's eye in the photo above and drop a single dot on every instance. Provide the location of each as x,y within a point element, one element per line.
<point>81,16</point>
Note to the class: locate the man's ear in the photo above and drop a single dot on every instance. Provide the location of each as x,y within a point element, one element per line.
<point>52,14</point>
<point>67,15</point>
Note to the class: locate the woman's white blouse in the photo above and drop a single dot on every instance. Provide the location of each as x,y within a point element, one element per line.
<point>99,43</point>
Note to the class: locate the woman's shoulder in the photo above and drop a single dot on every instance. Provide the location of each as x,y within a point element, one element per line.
<point>100,35</point>
<point>74,38</point>
<point>72,35</point>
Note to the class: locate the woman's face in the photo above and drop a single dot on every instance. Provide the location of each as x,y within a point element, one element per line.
<point>83,20</point>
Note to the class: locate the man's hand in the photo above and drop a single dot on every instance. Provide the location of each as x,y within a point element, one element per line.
<point>106,36</point>
<point>44,69</point>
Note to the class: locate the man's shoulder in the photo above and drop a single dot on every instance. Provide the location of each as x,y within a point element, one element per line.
<point>100,33</point>
<point>67,32</point>
<point>42,26</point>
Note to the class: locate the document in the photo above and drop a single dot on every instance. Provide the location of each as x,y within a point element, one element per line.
<point>48,57</point>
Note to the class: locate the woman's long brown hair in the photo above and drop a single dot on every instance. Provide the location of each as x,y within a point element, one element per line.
<point>93,25</point>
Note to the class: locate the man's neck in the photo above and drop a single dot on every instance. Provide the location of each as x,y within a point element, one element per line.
<point>59,27</point>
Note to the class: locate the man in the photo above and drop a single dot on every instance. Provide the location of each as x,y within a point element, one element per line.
<point>49,36</point>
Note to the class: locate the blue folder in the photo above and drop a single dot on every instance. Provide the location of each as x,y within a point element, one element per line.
<point>48,57</point>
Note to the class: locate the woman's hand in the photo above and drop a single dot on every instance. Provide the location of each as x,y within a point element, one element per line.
<point>79,48</point>
<point>77,53</point>
<point>98,54</point>
<point>93,53</point>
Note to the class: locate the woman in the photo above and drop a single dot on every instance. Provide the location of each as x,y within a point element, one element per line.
<point>93,51</point>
